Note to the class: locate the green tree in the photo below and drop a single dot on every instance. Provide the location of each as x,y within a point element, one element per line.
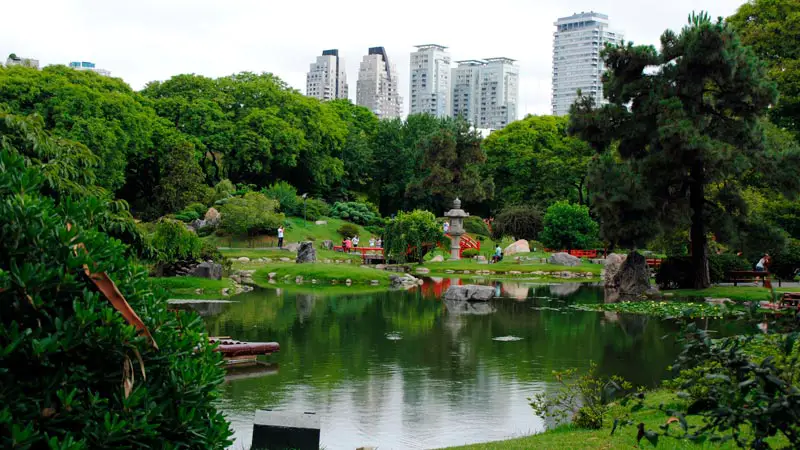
<point>519,221</point>
<point>568,226</point>
<point>410,235</point>
<point>174,245</point>
<point>74,373</point>
<point>534,160</point>
<point>693,121</point>
<point>286,196</point>
<point>357,153</point>
<point>772,29</point>
<point>250,215</point>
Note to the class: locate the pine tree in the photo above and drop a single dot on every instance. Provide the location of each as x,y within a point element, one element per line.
<point>684,118</point>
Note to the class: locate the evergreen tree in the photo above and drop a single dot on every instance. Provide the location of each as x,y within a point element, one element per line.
<point>686,117</point>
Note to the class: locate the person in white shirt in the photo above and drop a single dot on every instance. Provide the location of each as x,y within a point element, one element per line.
<point>762,264</point>
<point>280,236</point>
<point>446,227</point>
<point>372,242</point>
<point>355,241</point>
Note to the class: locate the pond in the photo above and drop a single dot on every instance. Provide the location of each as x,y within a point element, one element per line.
<point>402,370</point>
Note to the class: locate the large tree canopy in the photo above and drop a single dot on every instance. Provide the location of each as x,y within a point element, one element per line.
<point>685,119</point>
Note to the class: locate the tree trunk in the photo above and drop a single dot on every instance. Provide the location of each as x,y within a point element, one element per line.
<point>699,245</point>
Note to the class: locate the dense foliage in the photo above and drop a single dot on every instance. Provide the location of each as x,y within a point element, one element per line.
<point>250,215</point>
<point>476,225</point>
<point>519,221</point>
<point>360,213</point>
<point>568,226</point>
<point>410,235</point>
<point>174,244</point>
<point>73,373</point>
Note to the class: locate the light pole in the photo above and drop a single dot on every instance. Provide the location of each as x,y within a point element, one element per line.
<point>304,209</point>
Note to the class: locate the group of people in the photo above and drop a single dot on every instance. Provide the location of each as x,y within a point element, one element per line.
<point>348,244</point>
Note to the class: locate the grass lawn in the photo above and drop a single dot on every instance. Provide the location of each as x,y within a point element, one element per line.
<point>570,438</point>
<point>184,287</point>
<point>509,265</point>
<point>738,293</point>
<point>254,253</point>
<point>324,273</point>
<point>298,231</point>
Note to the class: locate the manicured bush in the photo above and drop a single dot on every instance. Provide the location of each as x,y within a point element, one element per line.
<point>313,210</point>
<point>198,208</point>
<point>347,230</point>
<point>470,253</point>
<point>286,196</point>
<point>567,226</point>
<point>360,213</point>
<point>519,221</point>
<point>250,215</point>
<point>73,372</point>
<point>476,225</point>
<point>720,265</point>
<point>675,272</point>
<point>536,246</point>
<point>175,245</point>
<point>375,230</point>
<point>187,216</point>
<point>409,236</point>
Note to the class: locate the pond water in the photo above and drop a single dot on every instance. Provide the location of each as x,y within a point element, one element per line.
<point>402,370</point>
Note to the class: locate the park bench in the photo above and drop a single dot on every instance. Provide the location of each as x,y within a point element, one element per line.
<point>791,299</point>
<point>738,276</point>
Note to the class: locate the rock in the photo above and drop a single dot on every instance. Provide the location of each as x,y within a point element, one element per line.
<point>313,281</point>
<point>306,253</point>
<point>437,258</point>
<point>298,279</point>
<point>208,269</point>
<point>633,277</point>
<point>272,275</point>
<point>469,292</point>
<point>348,281</point>
<point>334,281</point>
<point>236,278</point>
<point>285,259</point>
<point>564,289</point>
<point>198,291</point>
<point>521,246</point>
<point>271,281</point>
<point>380,266</point>
<point>327,261</point>
<point>402,281</point>
<point>212,217</point>
<point>652,292</point>
<point>243,259</point>
<point>564,259</point>
<point>374,282</point>
<point>468,308</point>
<point>449,271</point>
<point>515,272</point>
<point>327,245</point>
<point>718,301</point>
<point>466,272</point>
<point>588,274</point>
<point>321,222</point>
<point>267,260</point>
<point>225,292</point>
<point>423,270</point>
<point>612,265</point>
<point>292,247</point>
<point>348,261</point>
<point>196,224</point>
<point>480,258</point>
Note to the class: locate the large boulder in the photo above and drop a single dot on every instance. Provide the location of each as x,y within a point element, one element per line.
<point>633,277</point>
<point>521,246</point>
<point>437,258</point>
<point>207,269</point>
<point>470,293</point>
<point>404,281</point>
<point>212,217</point>
<point>564,289</point>
<point>306,253</point>
<point>564,259</point>
<point>612,265</point>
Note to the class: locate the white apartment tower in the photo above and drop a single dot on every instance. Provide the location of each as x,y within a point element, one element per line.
<point>377,86</point>
<point>430,80</point>
<point>486,92</point>
<point>327,78</point>
<point>577,65</point>
<point>89,66</point>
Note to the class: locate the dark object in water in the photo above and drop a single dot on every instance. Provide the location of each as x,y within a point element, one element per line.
<point>232,348</point>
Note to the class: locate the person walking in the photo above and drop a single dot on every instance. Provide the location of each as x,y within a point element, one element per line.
<point>280,236</point>
<point>356,240</point>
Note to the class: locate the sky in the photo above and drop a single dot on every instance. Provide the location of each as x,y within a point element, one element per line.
<point>144,40</point>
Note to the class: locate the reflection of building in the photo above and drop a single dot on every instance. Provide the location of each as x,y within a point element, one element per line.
<point>90,66</point>
<point>577,64</point>
<point>327,78</point>
<point>376,88</point>
<point>14,60</point>
<point>430,81</point>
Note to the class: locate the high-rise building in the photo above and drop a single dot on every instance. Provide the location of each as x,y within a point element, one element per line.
<point>486,92</point>
<point>327,78</point>
<point>430,80</point>
<point>86,65</point>
<point>14,60</point>
<point>577,65</point>
<point>377,85</point>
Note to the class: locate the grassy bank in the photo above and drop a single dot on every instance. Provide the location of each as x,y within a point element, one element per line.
<point>738,293</point>
<point>186,287</point>
<point>298,231</point>
<point>323,273</point>
<point>508,266</point>
<point>571,438</point>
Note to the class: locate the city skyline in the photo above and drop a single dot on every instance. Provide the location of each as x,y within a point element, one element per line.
<point>206,38</point>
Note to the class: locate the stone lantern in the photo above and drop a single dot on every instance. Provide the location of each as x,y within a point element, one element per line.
<point>456,216</point>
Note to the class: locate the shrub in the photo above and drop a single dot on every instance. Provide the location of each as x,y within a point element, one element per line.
<point>348,230</point>
<point>250,215</point>
<point>223,190</point>
<point>720,265</point>
<point>568,226</point>
<point>286,196</point>
<point>375,229</point>
<point>786,261</point>
<point>409,236</point>
<point>74,373</point>
<point>522,222</point>
<point>536,246</point>
<point>314,209</point>
<point>175,244</point>
<point>476,225</point>
<point>187,216</point>
<point>470,253</point>
<point>676,272</point>
<point>360,213</point>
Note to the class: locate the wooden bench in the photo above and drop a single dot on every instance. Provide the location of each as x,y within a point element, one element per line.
<point>737,276</point>
<point>791,299</point>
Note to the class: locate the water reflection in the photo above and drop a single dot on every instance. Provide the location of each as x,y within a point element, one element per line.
<point>405,370</point>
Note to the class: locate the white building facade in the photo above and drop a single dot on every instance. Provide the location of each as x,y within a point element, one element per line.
<point>90,66</point>
<point>327,77</point>
<point>486,92</point>
<point>430,81</point>
<point>14,60</point>
<point>577,64</point>
<point>377,85</point>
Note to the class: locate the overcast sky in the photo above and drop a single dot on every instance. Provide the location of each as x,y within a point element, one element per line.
<point>146,40</point>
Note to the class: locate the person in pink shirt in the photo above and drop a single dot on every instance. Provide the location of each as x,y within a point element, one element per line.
<point>348,245</point>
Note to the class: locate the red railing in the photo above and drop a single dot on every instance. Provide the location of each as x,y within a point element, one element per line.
<point>578,253</point>
<point>654,262</point>
<point>466,243</point>
<point>363,250</point>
